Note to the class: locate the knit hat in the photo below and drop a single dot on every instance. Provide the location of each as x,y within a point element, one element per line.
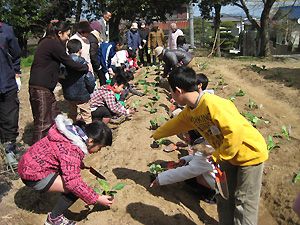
<point>95,25</point>
<point>173,26</point>
<point>158,50</point>
<point>134,26</point>
<point>155,24</point>
<point>84,27</point>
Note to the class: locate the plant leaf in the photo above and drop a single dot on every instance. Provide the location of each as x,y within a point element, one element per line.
<point>119,186</point>
<point>97,191</point>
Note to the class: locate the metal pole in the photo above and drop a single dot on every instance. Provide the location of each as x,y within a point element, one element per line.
<point>191,24</point>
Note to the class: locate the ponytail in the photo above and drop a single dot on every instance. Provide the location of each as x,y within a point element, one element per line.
<point>54,27</point>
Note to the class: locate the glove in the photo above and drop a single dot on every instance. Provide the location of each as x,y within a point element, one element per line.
<point>140,47</point>
<point>107,76</point>
<point>149,51</point>
<point>144,41</point>
<point>18,81</point>
<point>129,48</point>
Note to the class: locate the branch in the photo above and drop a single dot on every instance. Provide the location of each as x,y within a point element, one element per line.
<point>246,10</point>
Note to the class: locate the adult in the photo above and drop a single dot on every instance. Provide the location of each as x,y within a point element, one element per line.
<point>173,34</point>
<point>82,34</point>
<point>174,58</point>
<point>44,73</point>
<point>95,41</point>
<point>9,103</point>
<point>105,26</point>
<point>133,38</point>
<point>156,38</point>
<point>144,33</point>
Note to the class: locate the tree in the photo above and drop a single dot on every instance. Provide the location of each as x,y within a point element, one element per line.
<point>30,17</point>
<point>130,10</point>
<point>206,7</point>
<point>264,24</point>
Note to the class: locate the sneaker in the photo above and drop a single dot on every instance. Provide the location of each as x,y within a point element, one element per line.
<point>10,147</point>
<point>61,220</point>
<point>10,159</point>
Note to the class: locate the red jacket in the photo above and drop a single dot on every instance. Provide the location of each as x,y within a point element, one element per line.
<point>59,152</point>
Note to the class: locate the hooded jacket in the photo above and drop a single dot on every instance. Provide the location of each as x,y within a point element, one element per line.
<point>61,152</point>
<point>105,53</point>
<point>9,59</point>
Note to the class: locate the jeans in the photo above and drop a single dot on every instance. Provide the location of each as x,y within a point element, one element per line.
<point>9,116</point>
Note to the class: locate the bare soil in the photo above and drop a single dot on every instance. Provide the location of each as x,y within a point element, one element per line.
<point>275,90</point>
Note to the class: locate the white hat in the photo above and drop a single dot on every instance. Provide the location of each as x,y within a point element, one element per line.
<point>158,50</point>
<point>134,26</point>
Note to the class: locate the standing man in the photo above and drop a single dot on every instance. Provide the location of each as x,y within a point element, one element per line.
<point>144,33</point>
<point>174,33</point>
<point>9,102</point>
<point>156,38</point>
<point>105,26</point>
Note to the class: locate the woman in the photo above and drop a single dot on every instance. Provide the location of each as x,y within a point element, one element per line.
<point>44,76</point>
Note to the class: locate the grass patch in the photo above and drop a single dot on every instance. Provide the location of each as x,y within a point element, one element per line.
<point>26,62</point>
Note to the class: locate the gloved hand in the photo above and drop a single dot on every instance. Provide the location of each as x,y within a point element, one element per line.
<point>129,48</point>
<point>140,47</point>
<point>144,41</point>
<point>149,51</point>
<point>107,76</point>
<point>18,81</point>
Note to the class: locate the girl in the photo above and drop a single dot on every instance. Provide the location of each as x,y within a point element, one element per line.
<point>44,73</point>
<point>53,164</point>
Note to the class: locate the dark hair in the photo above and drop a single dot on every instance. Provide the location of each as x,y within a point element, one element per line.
<point>118,79</point>
<point>74,46</point>
<point>131,53</point>
<point>184,78</point>
<point>55,27</point>
<point>129,75</point>
<point>180,41</point>
<point>105,12</point>
<point>118,41</point>
<point>202,79</point>
<point>194,134</point>
<point>84,27</point>
<point>98,131</point>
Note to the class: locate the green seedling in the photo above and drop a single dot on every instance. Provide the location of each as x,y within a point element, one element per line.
<point>231,98</point>
<point>240,93</point>
<point>220,77</point>
<point>213,72</point>
<point>290,82</point>
<point>151,105</point>
<point>252,104</point>
<point>269,76</point>
<point>286,132</point>
<point>141,81</point>
<point>107,190</point>
<point>145,76</point>
<point>154,123</point>
<point>145,87</point>
<point>216,86</point>
<point>204,66</point>
<point>156,169</point>
<point>135,103</point>
<point>209,80</point>
<point>254,120</point>
<point>263,67</point>
<point>157,78</point>
<point>156,95</point>
<point>152,85</point>
<point>271,144</point>
<point>296,178</point>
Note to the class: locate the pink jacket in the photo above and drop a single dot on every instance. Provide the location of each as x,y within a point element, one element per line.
<point>59,152</point>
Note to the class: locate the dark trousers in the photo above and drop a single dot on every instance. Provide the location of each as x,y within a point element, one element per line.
<point>141,55</point>
<point>44,110</point>
<point>102,78</point>
<point>9,116</point>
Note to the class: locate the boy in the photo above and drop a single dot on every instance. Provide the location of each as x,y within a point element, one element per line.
<point>77,87</point>
<point>104,103</point>
<point>240,148</point>
<point>106,52</point>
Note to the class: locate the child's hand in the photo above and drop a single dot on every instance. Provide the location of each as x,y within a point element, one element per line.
<point>181,163</point>
<point>154,182</point>
<point>90,67</point>
<point>131,111</point>
<point>105,200</point>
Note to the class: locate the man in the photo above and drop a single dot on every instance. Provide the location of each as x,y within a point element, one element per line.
<point>144,33</point>
<point>173,36</point>
<point>105,26</point>
<point>9,103</point>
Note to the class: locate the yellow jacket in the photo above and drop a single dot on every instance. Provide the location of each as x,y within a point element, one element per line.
<point>156,38</point>
<point>225,129</point>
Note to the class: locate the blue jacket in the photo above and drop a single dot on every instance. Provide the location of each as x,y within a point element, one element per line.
<point>105,54</point>
<point>133,40</point>
<point>9,59</point>
<point>78,87</point>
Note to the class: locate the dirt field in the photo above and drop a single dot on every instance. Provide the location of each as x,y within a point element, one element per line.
<point>128,159</point>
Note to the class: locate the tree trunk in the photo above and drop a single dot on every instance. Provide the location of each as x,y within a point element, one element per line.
<point>263,31</point>
<point>77,14</point>
<point>114,31</point>
<point>217,22</point>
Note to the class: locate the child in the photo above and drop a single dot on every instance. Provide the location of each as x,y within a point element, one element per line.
<point>53,164</point>
<point>104,104</point>
<point>132,61</point>
<point>118,62</point>
<point>106,52</point>
<point>77,87</point>
<point>181,43</point>
<point>240,148</point>
<point>194,169</point>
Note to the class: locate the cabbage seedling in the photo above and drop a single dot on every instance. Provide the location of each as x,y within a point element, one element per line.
<point>271,144</point>
<point>107,190</point>
<point>154,171</point>
<point>296,178</point>
<point>252,104</point>
<point>254,120</point>
<point>151,105</point>
<point>240,93</point>
<point>285,132</point>
<point>145,87</point>
<point>156,97</point>
<point>231,98</point>
<point>154,124</point>
<point>135,103</point>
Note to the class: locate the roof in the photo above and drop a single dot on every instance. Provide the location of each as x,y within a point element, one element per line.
<point>293,12</point>
<point>180,25</point>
